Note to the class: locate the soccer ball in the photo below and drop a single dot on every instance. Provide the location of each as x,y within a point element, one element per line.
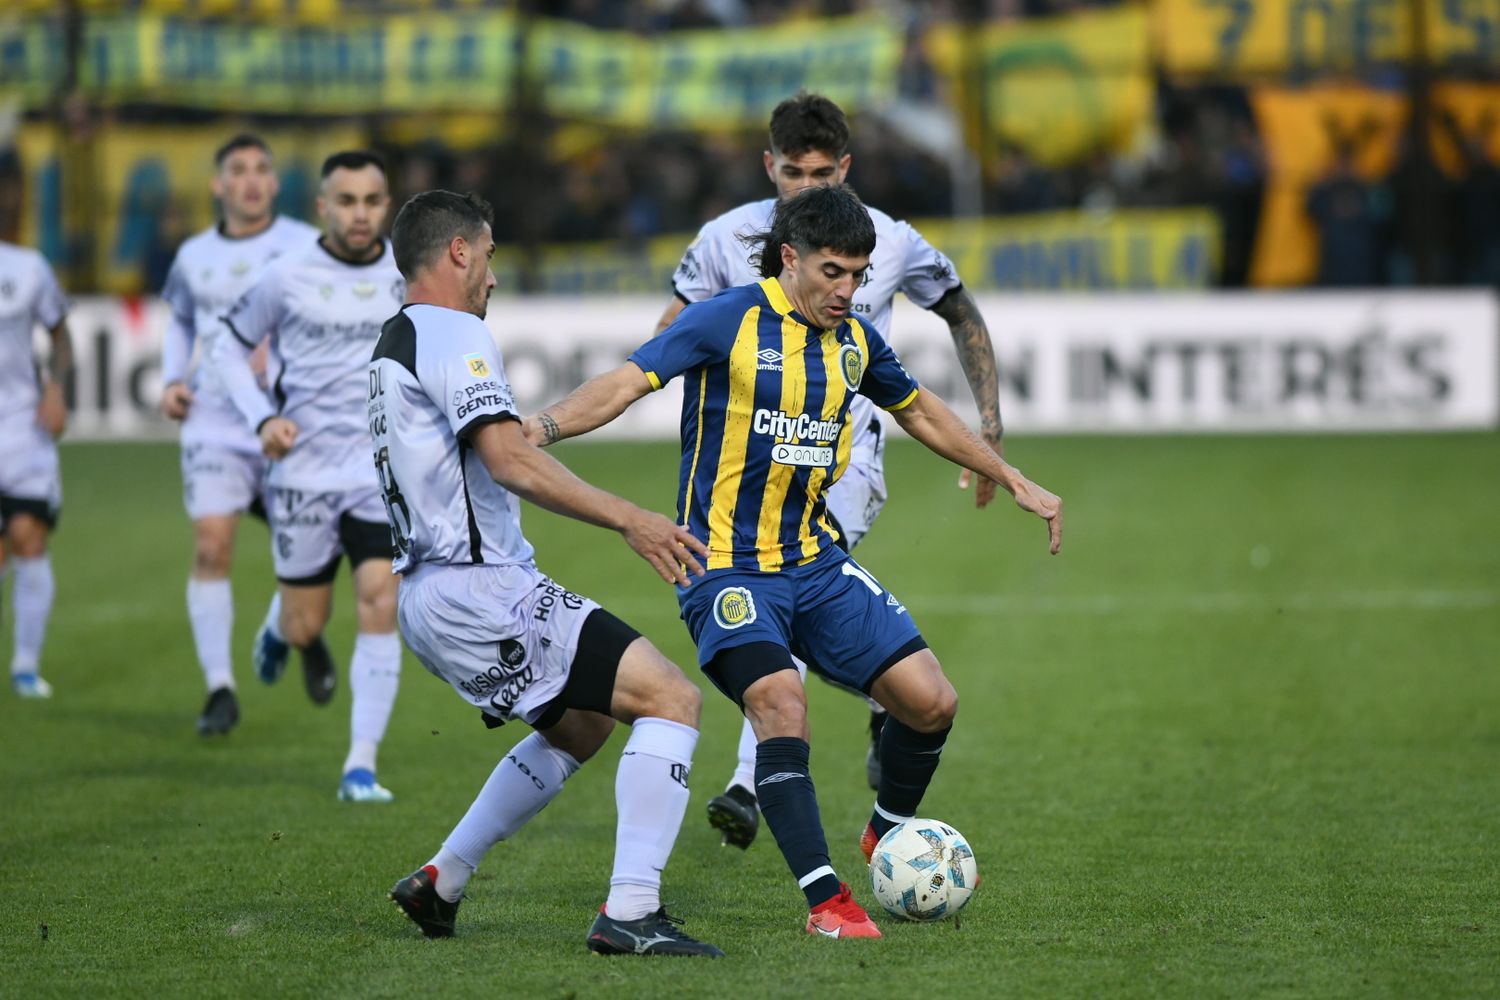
<point>923,870</point>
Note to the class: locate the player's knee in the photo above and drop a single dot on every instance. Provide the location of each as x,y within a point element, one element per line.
<point>26,537</point>
<point>211,557</point>
<point>300,628</point>
<point>377,612</point>
<point>939,711</point>
<point>776,706</point>
<point>678,701</point>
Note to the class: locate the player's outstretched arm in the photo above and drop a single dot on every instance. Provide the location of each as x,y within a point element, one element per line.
<point>591,405</point>
<point>976,356</point>
<point>527,471</point>
<point>930,421</point>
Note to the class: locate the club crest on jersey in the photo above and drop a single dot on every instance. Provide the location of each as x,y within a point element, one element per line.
<point>364,289</point>
<point>734,607</point>
<point>851,365</point>
<point>477,366</point>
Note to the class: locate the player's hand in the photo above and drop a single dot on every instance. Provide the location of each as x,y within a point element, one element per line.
<point>176,398</point>
<point>666,545</point>
<point>983,493</point>
<point>1044,504</point>
<point>52,411</point>
<point>277,435</point>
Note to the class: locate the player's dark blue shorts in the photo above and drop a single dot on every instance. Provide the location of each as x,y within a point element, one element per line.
<point>831,613</point>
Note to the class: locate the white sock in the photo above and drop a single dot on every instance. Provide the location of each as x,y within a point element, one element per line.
<point>521,785</point>
<point>31,606</point>
<point>273,614</point>
<point>744,771</point>
<point>453,873</point>
<point>651,795</point>
<point>211,611</point>
<point>374,674</point>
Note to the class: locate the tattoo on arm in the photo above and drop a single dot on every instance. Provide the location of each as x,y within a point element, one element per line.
<point>550,430</point>
<point>976,355</point>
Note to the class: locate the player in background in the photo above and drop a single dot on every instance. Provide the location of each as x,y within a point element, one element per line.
<point>455,465</point>
<point>322,308</point>
<point>809,141</point>
<point>223,469</point>
<point>33,414</point>
<point>761,444</point>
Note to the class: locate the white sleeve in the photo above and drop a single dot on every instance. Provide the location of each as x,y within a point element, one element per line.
<point>51,304</point>
<point>926,272</point>
<point>701,274</point>
<point>177,339</point>
<point>467,381</point>
<point>257,313</point>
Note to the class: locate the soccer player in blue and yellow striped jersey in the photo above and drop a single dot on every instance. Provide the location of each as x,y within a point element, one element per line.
<point>769,371</point>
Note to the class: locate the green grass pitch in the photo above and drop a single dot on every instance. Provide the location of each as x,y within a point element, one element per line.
<point>1242,738</point>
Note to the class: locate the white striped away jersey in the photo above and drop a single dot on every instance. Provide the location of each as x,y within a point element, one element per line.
<point>435,378</point>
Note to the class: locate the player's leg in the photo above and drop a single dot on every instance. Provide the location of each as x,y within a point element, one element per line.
<point>306,552</point>
<point>218,484</point>
<point>567,665</point>
<point>854,502</point>
<point>375,667</point>
<point>210,604</point>
<point>922,705</point>
<point>774,700</point>
<point>521,785</point>
<point>28,525</point>
<point>648,692</point>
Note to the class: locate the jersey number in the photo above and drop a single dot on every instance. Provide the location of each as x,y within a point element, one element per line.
<point>395,504</point>
<point>850,569</point>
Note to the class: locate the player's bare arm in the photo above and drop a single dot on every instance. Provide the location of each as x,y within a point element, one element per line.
<point>52,410</point>
<point>932,422</point>
<point>527,471</point>
<point>669,315</point>
<point>590,406</point>
<point>976,356</point>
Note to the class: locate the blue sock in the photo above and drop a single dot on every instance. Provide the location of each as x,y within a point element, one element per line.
<point>789,803</point>
<point>907,762</point>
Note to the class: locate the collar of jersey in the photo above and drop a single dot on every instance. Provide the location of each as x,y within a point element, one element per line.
<point>783,306</point>
<point>355,263</point>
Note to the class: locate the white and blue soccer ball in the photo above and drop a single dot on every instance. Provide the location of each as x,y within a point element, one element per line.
<point>923,870</point>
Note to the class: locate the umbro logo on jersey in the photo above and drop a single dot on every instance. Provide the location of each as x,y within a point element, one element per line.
<point>770,361</point>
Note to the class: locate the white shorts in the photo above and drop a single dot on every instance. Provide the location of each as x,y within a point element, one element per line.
<point>311,532</point>
<point>505,637</point>
<point>30,479</point>
<point>856,499</point>
<point>217,480</point>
